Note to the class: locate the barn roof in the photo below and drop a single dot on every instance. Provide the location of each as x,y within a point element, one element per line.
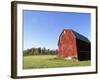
<point>80,37</point>
<point>77,35</point>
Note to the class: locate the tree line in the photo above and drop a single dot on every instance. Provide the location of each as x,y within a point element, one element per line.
<point>39,51</point>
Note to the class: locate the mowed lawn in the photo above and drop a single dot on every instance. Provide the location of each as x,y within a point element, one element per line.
<point>49,61</point>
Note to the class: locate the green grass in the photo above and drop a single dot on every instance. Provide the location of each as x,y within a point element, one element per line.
<point>49,61</point>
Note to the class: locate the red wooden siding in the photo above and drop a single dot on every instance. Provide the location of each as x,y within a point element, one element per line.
<point>67,44</point>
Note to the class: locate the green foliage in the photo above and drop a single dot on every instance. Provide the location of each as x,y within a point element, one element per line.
<point>49,61</point>
<point>39,51</point>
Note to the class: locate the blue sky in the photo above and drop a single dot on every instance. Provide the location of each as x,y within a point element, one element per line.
<point>43,28</point>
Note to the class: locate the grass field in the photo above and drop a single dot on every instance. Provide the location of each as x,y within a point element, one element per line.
<point>49,61</point>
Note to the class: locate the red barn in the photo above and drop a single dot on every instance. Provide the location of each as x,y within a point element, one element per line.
<point>73,45</point>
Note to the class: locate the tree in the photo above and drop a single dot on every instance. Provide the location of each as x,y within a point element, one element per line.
<point>39,50</point>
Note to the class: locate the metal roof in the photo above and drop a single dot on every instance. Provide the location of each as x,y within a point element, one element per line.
<point>80,37</point>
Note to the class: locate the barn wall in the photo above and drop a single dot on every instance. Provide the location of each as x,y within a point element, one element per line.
<point>83,49</point>
<point>67,44</point>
